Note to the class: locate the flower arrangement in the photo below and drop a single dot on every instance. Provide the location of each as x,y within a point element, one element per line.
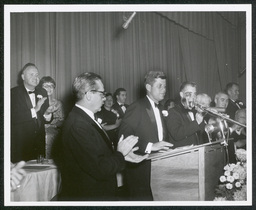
<point>232,185</point>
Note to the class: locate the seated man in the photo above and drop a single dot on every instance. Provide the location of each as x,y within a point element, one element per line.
<point>183,122</point>
<point>238,134</point>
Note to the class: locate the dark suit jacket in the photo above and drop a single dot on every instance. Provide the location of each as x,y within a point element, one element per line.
<point>182,130</point>
<point>118,108</point>
<point>139,120</point>
<point>89,164</point>
<point>232,108</point>
<point>27,133</point>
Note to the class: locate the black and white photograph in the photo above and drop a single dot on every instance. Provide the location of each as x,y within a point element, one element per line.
<point>128,105</point>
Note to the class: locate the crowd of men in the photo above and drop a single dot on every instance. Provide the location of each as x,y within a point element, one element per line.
<point>90,159</point>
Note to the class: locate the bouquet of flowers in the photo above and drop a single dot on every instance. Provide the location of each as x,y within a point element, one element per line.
<point>232,185</point>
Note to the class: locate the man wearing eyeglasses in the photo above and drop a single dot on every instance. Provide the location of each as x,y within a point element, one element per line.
<point>183,122</point>
<point>89,163</point>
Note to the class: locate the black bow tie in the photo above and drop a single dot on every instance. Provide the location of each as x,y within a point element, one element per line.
<point>156,105</point>
<point>30,92</point>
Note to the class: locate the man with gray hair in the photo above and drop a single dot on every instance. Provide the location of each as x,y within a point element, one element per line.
<point>89,164</point>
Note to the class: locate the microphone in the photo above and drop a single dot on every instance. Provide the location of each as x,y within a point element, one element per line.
<point>127,22</point>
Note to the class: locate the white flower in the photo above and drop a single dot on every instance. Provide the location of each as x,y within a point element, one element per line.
<point>223,179</point>
<point>227,173</point>
<point>227,168</point>
<point>39,96</point>
<point>232,166</point>
<point>241,155</point>
<point>238,184</point>
<point>229,186</point>
<point>230,179</point>
<point>165,113</point>
<point>241,103</point>
<point>236,175</point>
<point>99,120</point>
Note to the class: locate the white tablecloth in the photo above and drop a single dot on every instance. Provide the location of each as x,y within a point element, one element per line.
<point>41,183</point>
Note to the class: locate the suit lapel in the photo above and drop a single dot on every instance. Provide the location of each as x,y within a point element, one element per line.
<point>101,131</point>
<point>151,115</point>
<point>27,98</point>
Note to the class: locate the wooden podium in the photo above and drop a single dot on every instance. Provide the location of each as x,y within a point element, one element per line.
<point>188,173</point>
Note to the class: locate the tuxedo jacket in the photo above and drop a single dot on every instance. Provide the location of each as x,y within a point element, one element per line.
<point>89,164</point>
<point>139,120</point>
<point>118,108</point>
<point>182,130</point>
<point>232,108</point>
<point>27,133</point>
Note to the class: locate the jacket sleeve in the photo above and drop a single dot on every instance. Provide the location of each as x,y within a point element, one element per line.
<point>178,128</point>
<point>131,125</point>
<point>91,152</point>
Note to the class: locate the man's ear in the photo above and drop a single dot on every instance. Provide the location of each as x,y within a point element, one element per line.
<point>148,87</point>
<point>22,76</point>
<point>215,100</point>
<point>181,94</point>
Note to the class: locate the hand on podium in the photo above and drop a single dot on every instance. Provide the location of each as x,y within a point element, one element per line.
<point>161,146</point>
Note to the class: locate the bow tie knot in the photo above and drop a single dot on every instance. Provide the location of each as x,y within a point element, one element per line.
<point>30,92</point>
<point>156,105</point>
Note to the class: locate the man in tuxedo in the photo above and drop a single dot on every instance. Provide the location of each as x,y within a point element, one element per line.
<point>183,122</point>
<point>120,105</point>
<point>28,106</point>
<point>144,119</point>
<point>89,164</point>
<point>234,103</point>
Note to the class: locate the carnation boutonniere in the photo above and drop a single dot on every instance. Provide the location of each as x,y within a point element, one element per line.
<point>99,120</point>
<point>39,96</point>
<point>165,113</point>
<point>241,103</point>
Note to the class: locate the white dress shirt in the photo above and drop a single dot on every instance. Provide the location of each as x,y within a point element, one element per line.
<point>158,123</point>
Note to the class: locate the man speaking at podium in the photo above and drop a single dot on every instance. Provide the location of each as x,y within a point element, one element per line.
<point>144,119</point>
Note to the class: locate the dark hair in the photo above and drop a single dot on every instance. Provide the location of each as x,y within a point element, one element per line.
<point>167,103</point>
<point>118,90</point>
<point>230,85</point>
<point>45,80</point>
<point>152,75</point>
<point>187,83</point>
<point>83,83</point>
<point>109,94</point>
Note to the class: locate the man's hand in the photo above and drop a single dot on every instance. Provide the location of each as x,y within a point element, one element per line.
<point>17,174</point>
<point>199,118</point>
<point>161,145</point>
<point>118,122</point>
<point>133,158</point>
<point>125,145</point>
<point>40,103</point>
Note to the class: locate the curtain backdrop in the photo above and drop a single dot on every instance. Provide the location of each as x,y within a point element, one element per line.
<point>205,47</point>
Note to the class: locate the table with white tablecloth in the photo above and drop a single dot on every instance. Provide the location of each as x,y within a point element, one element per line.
<point>41,183</point>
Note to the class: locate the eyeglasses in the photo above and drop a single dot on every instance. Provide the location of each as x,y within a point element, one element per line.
<point>103,93</point>
<point>48,86</point>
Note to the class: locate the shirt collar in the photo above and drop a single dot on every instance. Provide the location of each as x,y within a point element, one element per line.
<point>151,101</point>
<point>120,103</point>
<point>28,89</point>
<point>87,111</point>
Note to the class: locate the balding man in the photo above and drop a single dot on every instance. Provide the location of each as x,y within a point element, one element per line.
<point>28,105</point>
